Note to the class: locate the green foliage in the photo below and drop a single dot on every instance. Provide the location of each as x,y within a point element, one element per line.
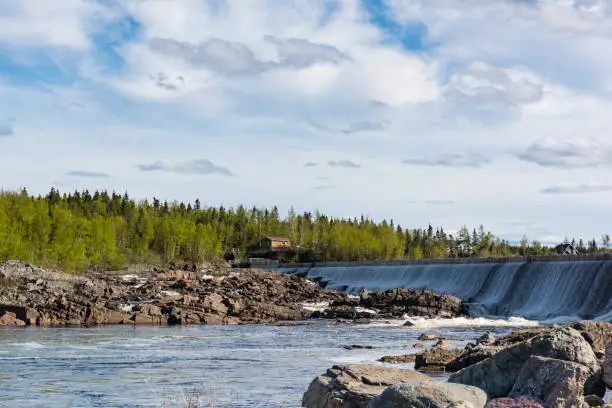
<point>82,231</point>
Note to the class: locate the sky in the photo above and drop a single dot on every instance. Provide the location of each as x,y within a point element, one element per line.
<point>447,112</point>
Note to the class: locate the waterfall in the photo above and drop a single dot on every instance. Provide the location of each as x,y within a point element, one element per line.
<point>539,290</point>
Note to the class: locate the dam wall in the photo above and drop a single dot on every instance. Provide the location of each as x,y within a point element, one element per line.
<point>542,290</point>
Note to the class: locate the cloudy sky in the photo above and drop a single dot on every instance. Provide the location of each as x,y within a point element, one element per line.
<point>444,111</point>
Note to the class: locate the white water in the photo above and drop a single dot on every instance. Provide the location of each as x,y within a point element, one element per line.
<point>558,291</point>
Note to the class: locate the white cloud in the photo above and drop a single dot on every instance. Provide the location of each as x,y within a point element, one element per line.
<point>568,153</point>
<point>451,160</point>
<point>343,163</point>
<point>578,188</point>
<point>272,87</point>
<point>197,166</point>
<point>40,22</point>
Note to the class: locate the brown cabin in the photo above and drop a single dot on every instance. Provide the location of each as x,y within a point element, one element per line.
<point>275,243</point>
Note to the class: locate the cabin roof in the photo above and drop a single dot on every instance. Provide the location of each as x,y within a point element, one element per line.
<point>277,238</point>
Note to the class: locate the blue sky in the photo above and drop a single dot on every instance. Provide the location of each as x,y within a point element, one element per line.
<point>444,111</point>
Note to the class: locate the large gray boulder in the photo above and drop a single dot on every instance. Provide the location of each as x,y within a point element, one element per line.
<point>607,367</point>
<point>497,375</point>
<point>429,394</point>
<point>354,386</point>
<point>569,345</point>
<point>557,383</point>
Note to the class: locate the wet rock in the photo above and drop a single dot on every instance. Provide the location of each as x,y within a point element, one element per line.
<point>436,358</point>
<point>357,347</point>
<point>418,393</point>
<point>402,359</point>
<point>557,383</point>
<point>354,386</point>
<point>411,302</point>
<point>521,402</point>
<point>428,337</point>
<point>10,319</point>
<point>471,355</point>
<point>486,338</point>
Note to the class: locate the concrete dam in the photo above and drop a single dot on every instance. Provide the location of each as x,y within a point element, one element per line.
<point>534,290</point>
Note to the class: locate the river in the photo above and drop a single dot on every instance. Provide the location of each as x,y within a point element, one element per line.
<point>237,366</point>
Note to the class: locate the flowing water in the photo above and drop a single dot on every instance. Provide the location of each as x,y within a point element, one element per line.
<point>237,366</point>
<point>545,290</point>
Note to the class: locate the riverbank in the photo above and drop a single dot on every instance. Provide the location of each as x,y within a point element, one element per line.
<point>213,294</point>
<point>548,367</point>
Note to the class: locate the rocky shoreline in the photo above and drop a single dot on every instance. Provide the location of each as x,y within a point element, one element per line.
<point>210,294</point>
<point>566,366</point>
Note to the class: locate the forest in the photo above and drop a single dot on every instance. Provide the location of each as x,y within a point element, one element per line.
<point>80,231</point>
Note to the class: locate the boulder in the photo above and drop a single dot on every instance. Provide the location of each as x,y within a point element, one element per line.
<point>428,337</point>
<point>495,375</point>
<point>569,345</point>
<point>471,355</point>
<point>498,373</point>
<point>597,334</point>
<point>486,338</point>
<point>557,383</point>
<point>403,359</point>
<point>10,319</point>
<point>429,394</point>
<point>354,386</point>
<point>436,358</point>
<point>607,367</point>
<point>521,402</point>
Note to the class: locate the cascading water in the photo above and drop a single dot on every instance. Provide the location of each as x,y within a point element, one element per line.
<point>539,290</point>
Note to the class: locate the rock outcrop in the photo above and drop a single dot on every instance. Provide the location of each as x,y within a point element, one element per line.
<point>214,295</point>
<point>411,302</point>
<point>428,394</point>
<point>524,364</point>
<point>354,386</point>
<point>211,294</point>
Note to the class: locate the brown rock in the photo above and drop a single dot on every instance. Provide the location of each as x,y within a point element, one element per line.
<point>10,319</point>
<point>403,359</point>
<point>597,334</point>
<point>436,358</point>
<point>354,386</point>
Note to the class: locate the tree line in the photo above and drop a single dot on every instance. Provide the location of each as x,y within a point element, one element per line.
<point>81,230</point>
